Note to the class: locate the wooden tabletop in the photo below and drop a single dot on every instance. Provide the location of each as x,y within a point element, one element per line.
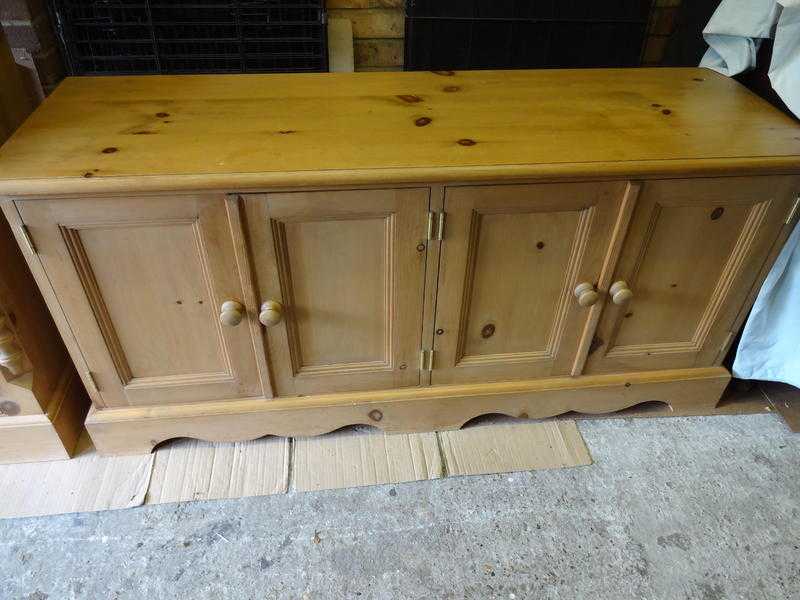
<point>105,134</point>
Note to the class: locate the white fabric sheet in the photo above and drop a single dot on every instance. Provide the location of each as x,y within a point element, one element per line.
<point>770,345</point>
<point>734,35</point>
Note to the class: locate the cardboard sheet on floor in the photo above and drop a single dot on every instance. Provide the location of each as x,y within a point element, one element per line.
<point>187,470</point>
<point>86,483</point>
<point>193,470</point>
<point>506,445</point>
<point>360,456</point>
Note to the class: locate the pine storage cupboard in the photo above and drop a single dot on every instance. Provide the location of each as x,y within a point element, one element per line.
<point>234,256</point>
<point>42,401</point>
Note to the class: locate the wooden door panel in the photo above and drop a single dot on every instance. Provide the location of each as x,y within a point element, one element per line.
<point>509,265</point>
<point>511,259</point>
<point>686,250</point>
<point>336,272</point>
<point>322,257</point>
<point>693,251</point>
<point>141,281</point>
<point>171,295</point>
<point>348,267</point>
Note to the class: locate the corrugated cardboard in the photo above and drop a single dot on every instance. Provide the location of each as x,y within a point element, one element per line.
<point>505,446</point>
<point>362,456</point>
<point>185,470</point>
<point>87,483</point>
<point>193,470</point>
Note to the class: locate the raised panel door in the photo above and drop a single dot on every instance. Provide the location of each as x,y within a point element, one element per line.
<point>348,269</point>
<point>511,259</point>
<point>141,281</point>
<point>692,254</point>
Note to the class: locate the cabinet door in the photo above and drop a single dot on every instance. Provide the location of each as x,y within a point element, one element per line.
<point>141,282</point>
<point>348,269</point>
<point>693,251</point>
<point>511,259</point>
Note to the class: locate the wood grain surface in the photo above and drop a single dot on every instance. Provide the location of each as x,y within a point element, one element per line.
<point>117,134</point>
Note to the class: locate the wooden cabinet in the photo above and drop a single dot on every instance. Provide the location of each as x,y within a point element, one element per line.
<point>404,250</point>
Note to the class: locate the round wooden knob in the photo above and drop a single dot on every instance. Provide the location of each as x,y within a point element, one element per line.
<point>231,313</point>
<point>271,313</point>
<point>586,294</point>
<point>620,293</point>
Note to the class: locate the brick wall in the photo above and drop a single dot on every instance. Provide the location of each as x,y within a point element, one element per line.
<point>30,36</point>
<point>378,31</point>
<point>378,28</point>
<point>661,26</point>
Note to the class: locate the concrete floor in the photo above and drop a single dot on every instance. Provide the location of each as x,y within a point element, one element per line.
<point>704,507</point>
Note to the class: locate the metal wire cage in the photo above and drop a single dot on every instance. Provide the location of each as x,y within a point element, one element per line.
<point>106,37</point>
<point>524,34</point>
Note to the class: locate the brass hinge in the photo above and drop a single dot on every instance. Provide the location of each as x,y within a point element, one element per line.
<point>426,360</point>
<point>793,210</point>
<point>436,225</point>
<point>440,226</point>
<point>93,383</point>
<point>28,239</point>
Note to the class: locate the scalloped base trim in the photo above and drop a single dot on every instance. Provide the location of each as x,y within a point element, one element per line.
<point>137,430</point>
